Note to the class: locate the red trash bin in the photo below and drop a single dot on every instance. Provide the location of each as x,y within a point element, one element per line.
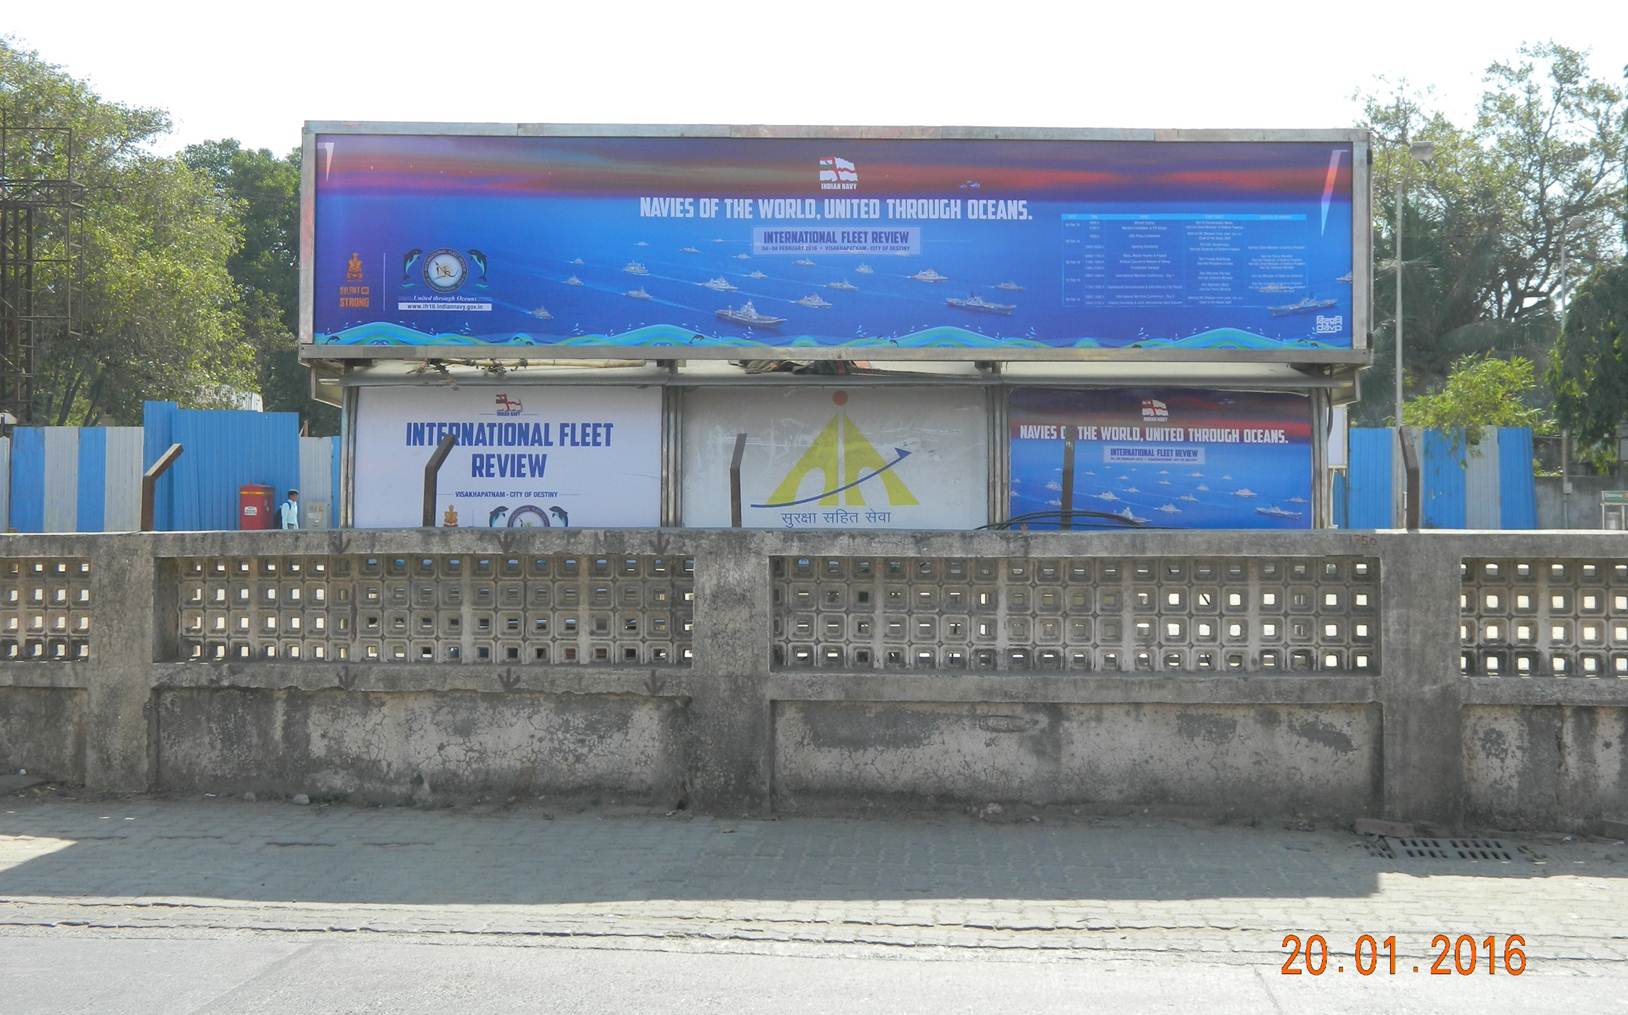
<point>255,509</point>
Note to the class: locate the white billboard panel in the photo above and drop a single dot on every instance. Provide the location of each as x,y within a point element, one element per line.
<point>527,456</point>
<point>845,458</point>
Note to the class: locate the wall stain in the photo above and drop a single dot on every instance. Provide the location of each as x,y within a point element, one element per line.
<point>1217,729</point>
<point>1327,734</point>
<point>1494,743</point>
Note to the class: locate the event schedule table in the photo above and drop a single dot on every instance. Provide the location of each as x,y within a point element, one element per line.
<point>1192,259</point>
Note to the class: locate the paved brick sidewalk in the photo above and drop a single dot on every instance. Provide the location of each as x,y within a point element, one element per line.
<point>1120,885</point>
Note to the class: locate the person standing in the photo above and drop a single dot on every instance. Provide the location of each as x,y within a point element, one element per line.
<point>290,510</point>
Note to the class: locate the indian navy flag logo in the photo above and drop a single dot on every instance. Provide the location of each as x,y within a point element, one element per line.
<point>1154,411</point>
<point>838,173</point>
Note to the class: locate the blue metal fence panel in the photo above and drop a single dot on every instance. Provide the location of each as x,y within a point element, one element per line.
<point>28,479</point>
<point>61,478</point>
<point>92,506</point>
<point>1481,481</point>
<point>157,434</point>
<point>1517,489</point>
<point>121,507</point>
<point>1339,501</point>
<point>316,478</point>
<point>224,450</point>
<point>1442,478</point>
<point>1368,482</point>
<point>5,484</point>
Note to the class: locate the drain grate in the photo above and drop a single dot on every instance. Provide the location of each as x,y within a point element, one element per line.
<point>1418,847</point>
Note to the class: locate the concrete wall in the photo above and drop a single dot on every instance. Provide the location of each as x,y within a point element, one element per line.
<point>1579,509</point>
<point>1256,758</point>
<point>1560,766</point>
<point>42,730</point>
<point>1377,715</point>
<point>417,744</point>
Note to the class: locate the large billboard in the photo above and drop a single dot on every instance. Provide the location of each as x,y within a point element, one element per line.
<point>526,456</point>
<point>848,247</point>
<point>1165,458</point>
<point>837,458</point>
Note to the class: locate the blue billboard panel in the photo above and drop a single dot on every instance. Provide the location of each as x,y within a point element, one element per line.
<point>1163,458</point>
<point>643,244</point>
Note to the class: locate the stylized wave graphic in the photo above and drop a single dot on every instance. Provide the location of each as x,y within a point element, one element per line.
<point>384,333</point>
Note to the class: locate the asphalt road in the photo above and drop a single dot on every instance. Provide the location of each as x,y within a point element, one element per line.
<point>106,972</point>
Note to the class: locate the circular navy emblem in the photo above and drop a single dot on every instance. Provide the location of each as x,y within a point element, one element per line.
<point>445,270</point>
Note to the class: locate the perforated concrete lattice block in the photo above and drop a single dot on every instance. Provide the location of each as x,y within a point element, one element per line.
<point>1077,614</point>
<point>1544,618</point>
<point>45,613</point>
<point>633,610</point>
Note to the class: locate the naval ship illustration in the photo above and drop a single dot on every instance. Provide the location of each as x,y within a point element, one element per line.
<point>929,275</point>
<point>756,274</point>
<point>747,314</point>
<point>1344,279</point>
<point>864,269</point>
<point>635,268</point>
<point>813,300</point>
<point>638,294</point>
<point>1276,512</point>
<point>1011,287</point>
<point>803,262</point>
<point>573,280</point>
<point>743,257</point>
<point>1304,305</point>
<point>842,283</point>
<point>719,284</point>
<point>978,304</point>
<point>688,250</point>
<point>578,260</point>
<point>542,314</point>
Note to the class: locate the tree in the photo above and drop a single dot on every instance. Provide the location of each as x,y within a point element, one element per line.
<point>157,314</point>
<point>1588,370</point>
<point>1511,208</point>
<point>264,189</point>
<point>1480,391</point>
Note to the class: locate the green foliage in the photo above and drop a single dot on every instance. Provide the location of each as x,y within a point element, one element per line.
<point>1511,207</point>
<point>157,311</point>
<point>1588,370</point>
<point>264,191</point>
<point>1480,391</point>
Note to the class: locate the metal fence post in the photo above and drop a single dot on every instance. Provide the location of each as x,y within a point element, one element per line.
<point>432,472</point>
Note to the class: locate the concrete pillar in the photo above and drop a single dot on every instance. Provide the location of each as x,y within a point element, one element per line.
<point>730,734</point>
<point>124,639</point>
<point>1422,689</point>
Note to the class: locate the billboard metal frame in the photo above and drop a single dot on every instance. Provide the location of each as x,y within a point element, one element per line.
<point>1359,355</point>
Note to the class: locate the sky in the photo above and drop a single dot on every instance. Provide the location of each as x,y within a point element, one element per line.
<point>257,71</point>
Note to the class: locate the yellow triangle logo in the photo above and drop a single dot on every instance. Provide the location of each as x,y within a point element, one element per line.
<point>845,458</point>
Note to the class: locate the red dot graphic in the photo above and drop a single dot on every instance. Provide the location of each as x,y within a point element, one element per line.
<point>840,398</point>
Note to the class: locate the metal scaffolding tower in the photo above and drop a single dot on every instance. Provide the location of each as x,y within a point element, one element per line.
<point>41,243</point>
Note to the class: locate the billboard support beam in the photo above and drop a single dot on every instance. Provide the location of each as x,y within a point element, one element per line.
<point>1067,499</point>
<point>1412,507</point>
<point>735,481</point>
<point>432,472</point>
<point>149,484</point>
